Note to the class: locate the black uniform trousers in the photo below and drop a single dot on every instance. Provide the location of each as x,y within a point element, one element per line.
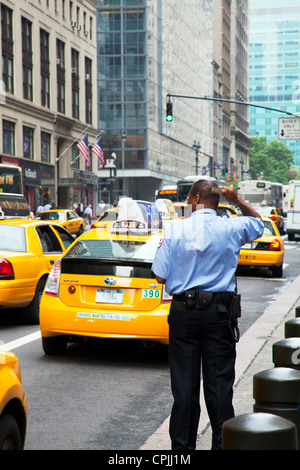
<point>200,337</point>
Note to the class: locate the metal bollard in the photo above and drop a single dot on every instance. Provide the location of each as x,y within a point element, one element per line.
<point>259,431</point>
<point>292,328</point>
<point>277,391</point>
<point>286,353</point>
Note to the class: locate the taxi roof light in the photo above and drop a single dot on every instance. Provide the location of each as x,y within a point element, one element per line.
<point>6,269</point>
<point>52,284</point>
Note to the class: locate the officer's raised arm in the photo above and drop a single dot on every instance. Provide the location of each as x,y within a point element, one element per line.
<point>232,196</point>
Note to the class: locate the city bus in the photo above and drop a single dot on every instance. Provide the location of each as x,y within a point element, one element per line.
<point>10,179</point>
<point>12,200</point>
<point>257,191</point>
<point>184,185</point>
<point>167,192</point>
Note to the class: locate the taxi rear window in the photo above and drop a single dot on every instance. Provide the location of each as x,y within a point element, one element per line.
<point>12,238</point>
<point>51,216</point>
<point>115,249</point>
<point>268,228</point>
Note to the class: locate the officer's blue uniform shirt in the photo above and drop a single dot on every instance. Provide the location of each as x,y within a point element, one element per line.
<point>203,251</point>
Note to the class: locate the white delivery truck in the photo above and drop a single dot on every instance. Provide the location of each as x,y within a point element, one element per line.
<point>293,212</point>
<point>285,199</point>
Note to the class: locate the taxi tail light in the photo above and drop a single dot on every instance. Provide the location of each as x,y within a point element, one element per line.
<point>273,217</point>
<point>52,284</point>
<point>165,297</point>
<point>6,269</point>
<point>275,245</point>
<point>93,226</point>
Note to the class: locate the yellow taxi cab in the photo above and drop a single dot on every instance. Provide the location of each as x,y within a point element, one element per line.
<point>103,287</point>
<point>107,218</point>
<point>273,214</point>
<point>266,251</point>
<point>28,250</point>
<point>224,210</point>
<point>66,218</point>
<point>13,403</point>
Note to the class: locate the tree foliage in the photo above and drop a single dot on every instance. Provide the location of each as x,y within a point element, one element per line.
<point>271,161</point>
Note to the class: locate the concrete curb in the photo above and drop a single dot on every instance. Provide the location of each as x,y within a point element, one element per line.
<point>254,354</point>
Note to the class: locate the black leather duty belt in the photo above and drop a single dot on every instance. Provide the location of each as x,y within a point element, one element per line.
<point>200,298</point>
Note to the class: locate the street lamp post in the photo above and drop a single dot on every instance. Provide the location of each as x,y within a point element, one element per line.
<point>197,147</point>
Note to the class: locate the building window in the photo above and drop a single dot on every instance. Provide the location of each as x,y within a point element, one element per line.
<point>27,59</point>
<point>88,91</point>
<point>60,69</point>
<point>7,49</point>
<point>75,160</point>
<point>28,142</point>
<point>9,137</point>
<point>75,83</point>
<point>45,146</point>
<point>45,68</point>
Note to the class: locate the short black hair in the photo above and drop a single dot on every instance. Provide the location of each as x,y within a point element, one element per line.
<point>204,189</point>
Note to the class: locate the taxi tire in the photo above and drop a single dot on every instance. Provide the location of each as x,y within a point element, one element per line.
<point>33,309</point>
<point>277,271</point>
<point>54,345</point>
<point>10,436</point>
<point>80,231</point>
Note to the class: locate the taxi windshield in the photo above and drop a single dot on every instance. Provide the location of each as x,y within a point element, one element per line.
<point>115,249</point>
<point>12,238</point>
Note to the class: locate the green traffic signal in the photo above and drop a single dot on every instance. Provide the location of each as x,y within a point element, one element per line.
<point>169,115</point>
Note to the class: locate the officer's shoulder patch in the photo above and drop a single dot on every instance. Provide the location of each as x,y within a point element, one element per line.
<point>161,240</point>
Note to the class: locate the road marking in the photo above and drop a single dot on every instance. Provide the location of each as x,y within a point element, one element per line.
<point>20,342</point>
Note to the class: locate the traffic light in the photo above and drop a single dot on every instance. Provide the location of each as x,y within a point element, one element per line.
<point>224,171</point>
<point>115,171</point>
<point>169,115</point>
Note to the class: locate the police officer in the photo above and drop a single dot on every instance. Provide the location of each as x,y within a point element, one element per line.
<point>197,261</point>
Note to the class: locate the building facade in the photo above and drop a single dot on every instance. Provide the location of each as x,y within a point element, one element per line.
<point>231,83</point>
<point>147,49</point>
<point>274,73</point>
<point>48,97</point>
<point>239,64</point>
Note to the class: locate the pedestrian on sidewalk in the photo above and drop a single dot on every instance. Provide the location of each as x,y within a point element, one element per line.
<point>88,213</point>
<point>197,261</point>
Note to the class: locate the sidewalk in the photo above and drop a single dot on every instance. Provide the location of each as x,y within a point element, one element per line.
<point>254,354</point>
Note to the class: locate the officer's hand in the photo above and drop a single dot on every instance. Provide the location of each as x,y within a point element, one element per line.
<point>230,194</point>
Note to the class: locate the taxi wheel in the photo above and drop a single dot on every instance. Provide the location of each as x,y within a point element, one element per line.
<point>33,309</point>
<point>80,232</point>
<point>10,437</point>
<point>54,345</point>
<point>277,271</point>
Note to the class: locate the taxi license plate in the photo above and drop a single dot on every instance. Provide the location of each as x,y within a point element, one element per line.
<point>110,296</point>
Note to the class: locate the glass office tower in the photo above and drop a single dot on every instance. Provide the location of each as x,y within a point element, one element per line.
<point>274,59</point>
<point>122,74</point>
<point>147,49</point>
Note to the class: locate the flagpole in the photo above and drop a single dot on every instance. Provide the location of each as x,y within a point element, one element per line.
<point>58,158</point>
<point>97,136</point>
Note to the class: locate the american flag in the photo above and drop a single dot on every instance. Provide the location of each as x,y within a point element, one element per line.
<point>83,147</point>
<point>97,149</point>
